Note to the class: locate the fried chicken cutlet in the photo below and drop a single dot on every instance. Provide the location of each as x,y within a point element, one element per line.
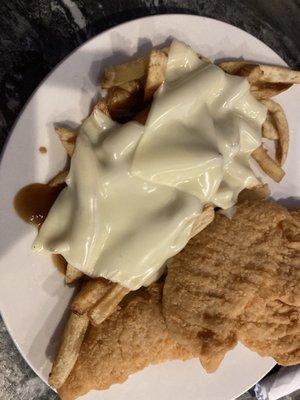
<point>128,341</point>
<point>238,280</point>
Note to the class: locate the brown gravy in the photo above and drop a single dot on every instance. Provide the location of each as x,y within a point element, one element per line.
<point>43,150</point>
<point>33,202</point>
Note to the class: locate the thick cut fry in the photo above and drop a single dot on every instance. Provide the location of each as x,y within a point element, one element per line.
<point>67,138</point>
<point>264,90</point>
<point>132,86</point>
<point>206,217</point>
<point>254,74</point>
<point>268,73</point>
<point>122,104</point>
<point>108,304</point>
<point>91,292</point>
<point>155,73</point>
<point>133,70</point>
<point>251,71</point>
<point>232,67</point>
<point>72,274</point>
<point>59,179</point>
<point>282,127</point>
<point>267,164</point>
<point>265,80</point>
<point>69,349</point>
<point>269,130</point>
<point>279,74</point>
<point>129,71</point>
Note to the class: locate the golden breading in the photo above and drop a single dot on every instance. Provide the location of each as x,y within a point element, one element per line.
<point>238,279</point>
<point>129,340</point>
<point>271,328</point>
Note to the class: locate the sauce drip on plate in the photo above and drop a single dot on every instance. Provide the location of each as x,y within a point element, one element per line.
<point>33,202</point>
<point>43,150</point>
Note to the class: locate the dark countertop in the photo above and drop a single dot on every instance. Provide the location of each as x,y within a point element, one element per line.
<point>36,34</point>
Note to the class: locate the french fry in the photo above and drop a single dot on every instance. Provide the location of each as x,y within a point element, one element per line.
<point>282,128</point>
<point>267,164</point>
<point>155,73</point>
<point>264,90</point>
<point>69,349</point>
<point>276,74</point>
<point>92,291</point>
<point>72,274</point>
<point>132,86</point>
<point>108,304</point>
<point>130,71</point>
<point>232,67</point>
<point>121,103</point>
<point>269,130</point>
<point>67,138</point>
<point>251,71</point>
<point>268,73</point>
<point>265,80</point>
<point>254,74</point>
<point>59,179</point>
<point>205,218</point>
<point>134,70</point>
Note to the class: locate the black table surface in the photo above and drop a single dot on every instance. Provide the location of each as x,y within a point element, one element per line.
<point>36,34</point>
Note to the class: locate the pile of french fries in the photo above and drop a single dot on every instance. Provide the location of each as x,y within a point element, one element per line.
<point>130,88</point>
<point>267,81</point>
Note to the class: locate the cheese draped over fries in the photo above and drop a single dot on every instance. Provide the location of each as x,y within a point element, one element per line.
<point>134,192</point>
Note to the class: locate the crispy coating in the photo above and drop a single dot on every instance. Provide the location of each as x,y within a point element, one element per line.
<point>129,340</point>
<point>238,280</point>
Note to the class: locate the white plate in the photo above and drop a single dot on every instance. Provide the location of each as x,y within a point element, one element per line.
<point>32,294</point>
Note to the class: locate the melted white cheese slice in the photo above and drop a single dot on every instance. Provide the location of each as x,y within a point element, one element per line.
<point>133,192</point>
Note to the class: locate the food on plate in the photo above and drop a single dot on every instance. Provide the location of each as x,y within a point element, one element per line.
<point>267,164</point>
<point>132,338</point>
<point>267,296</point>
<point>280,125</point>
<point>173,141</point>
<point>156,71</point>
<point>134,70</point>
<point>192,152</point>
<point>238,280</point>
<point>266,80</point>
<point>107,304</point>
<point>72,274</point>
<point>69,349</point>
<point>67,138</point>
<point>91,292</point>
<point>59,179</point>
